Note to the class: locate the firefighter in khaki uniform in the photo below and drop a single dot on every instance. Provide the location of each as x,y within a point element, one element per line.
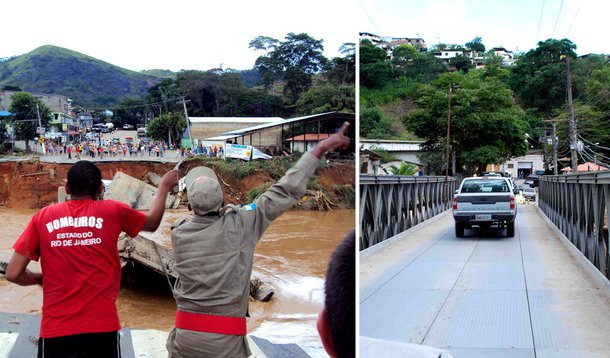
<point>214,251</point>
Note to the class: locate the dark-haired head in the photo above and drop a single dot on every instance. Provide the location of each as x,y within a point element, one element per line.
<point>84,179</point>
<point>339,315</point>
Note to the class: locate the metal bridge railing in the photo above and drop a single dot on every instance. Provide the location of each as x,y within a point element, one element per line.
<point>578,205</point>
<point>391,204</point>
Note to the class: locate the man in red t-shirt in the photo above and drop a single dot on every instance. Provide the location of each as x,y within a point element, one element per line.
<point>76,243</point>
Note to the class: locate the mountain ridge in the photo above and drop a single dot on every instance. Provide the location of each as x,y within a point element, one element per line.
<point>84,79</point>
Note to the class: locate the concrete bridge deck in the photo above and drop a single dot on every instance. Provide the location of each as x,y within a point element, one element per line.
<point>486,295</point>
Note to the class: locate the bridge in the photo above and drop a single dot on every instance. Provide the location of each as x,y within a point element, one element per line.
<point>543,293</point>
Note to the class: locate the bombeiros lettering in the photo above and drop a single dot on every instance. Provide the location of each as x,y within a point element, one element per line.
<point>79,221</point>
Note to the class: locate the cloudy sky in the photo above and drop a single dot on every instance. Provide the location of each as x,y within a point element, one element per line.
<point>517,25</point>
<point>174,35</point>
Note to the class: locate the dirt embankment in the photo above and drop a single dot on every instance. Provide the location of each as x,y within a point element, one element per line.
<point>31,183</point>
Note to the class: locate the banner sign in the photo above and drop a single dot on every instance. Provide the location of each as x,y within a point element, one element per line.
<point>257,154</point>
<point>244,152</point>
<point>238,151</point>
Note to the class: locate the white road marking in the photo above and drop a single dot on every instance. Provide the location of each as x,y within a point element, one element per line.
<point>149,343</point>
<point>7,341</point>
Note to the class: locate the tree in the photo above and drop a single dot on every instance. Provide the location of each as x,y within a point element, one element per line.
<point>369,53</point>
<point>476,44</point>
<point>426,68</point>
<point>402,55</point>
<point>12,88</point>
<point>326,98</point>
<point>27,111</point>
<point>258,104</point>
<point>295,60</point>
<point>342,70</point>
<point>486,124</point>
<point>375,70</point>
<point>162,96</point>
<point>130,111</point>
<point>539,76</point>
<point>461,63</point>
<point>373,124</point>
<point>167,127</point>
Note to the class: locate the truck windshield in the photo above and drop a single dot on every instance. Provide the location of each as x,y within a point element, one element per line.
<point>485,186</point>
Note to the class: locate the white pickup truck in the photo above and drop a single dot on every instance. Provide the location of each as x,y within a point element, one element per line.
<point>483,202</point>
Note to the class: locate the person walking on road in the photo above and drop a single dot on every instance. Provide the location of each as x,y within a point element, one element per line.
<point>76,243</point>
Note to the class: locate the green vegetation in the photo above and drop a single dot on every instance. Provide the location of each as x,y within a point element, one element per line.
<point>497,112</point>
<point>84,79</point>
<point>403,169</point>
<point>254,193</point>
<point>26,110</point>
<point>347,193</point>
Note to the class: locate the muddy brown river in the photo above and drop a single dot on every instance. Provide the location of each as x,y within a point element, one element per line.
<point>292,256</point>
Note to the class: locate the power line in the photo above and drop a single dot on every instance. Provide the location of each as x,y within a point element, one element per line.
<point>540,22</point>
<point>573,19</point>
<point>371,20</point>
<point>557,19</point>
<point>134,106</point>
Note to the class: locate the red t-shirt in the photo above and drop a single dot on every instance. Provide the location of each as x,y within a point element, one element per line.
<point>77,244</point>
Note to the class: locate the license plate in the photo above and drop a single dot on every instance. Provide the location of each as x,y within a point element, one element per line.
<point>483,217</point>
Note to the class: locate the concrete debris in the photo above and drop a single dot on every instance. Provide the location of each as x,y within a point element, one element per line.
<point>133,192</point>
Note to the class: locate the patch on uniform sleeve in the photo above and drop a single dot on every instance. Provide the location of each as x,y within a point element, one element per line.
<point>178,223</point>
<point>250,207</point>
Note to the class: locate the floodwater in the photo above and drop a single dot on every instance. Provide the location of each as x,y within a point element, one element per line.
<point>292,256</point>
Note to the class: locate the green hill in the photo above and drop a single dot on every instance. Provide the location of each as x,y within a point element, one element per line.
<point>89,82</point>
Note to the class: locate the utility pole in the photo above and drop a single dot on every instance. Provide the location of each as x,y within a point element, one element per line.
<point>448,135</point>
<point>188,122</point>
<point>555,160</point>
<point>41,142</point>
<point>555,171</point>
<point>571,121</point>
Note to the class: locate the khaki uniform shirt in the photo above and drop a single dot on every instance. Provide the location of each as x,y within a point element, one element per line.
<point>213,260</point>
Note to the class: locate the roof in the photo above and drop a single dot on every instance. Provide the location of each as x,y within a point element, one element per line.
<point>223,137</point>
<point>309,137</point>
<point>305,119</point>
<point>234,119</point>
<point>586,167</point>
<point>392,145</point>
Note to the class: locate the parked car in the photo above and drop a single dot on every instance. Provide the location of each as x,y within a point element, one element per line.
<point>529,194</point>
<point>533,179</point>
<point>128,126</point>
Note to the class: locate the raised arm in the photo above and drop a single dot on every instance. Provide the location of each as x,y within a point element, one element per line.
<point>336,141</point>
<point>155,214</point>
<point>284,194</point>
<point>17,272</point>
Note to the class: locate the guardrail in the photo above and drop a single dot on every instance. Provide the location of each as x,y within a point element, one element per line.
<point>391,204</point>
<point>578,205</point>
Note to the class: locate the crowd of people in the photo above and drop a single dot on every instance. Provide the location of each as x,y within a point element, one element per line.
<point>98,148</point>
